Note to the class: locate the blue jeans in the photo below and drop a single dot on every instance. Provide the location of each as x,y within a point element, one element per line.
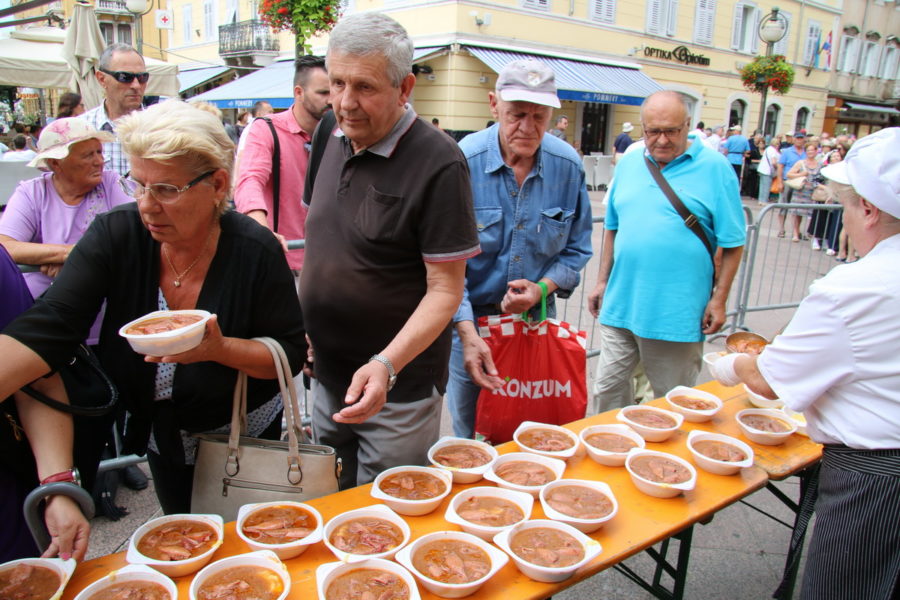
<point>462,393</point>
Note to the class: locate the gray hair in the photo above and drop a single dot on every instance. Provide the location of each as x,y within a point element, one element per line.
<point>107,55</point>
<point>365,34</point>
<point>671,95</point>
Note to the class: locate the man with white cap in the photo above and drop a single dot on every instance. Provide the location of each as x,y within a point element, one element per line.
<point>622,141</point>
<point>534,223</point>
<point>837,363</point>
<point>736,148</point>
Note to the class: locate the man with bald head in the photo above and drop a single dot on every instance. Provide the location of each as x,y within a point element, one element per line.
<point>657,291</point>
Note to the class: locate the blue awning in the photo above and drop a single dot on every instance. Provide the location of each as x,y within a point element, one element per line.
<point>580,80</point>
<point>191,78</point>
<point>426,52</point>
<point>274,84</point>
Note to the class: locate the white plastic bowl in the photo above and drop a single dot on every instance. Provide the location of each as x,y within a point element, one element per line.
<point>561,454</point>
<point>651,434</point>
<point>710,357</point>
<point>799,419</point>
<point>63,568</point>
<point>176,568</point>
<point>379,511</point>
<point>610,459</point>
<point>548,574</point>
<point>412,508</point>
<point>692,415</point>
<point>167,343</point>
<point>452,590</point>
<point>263,558</point>
<point>660,490</point>
<point>761,401</point>
<point>582,525</point>
<point>328,572</point>
<point>766,438</point>
<point>288,549</point>
<point>523,500</point>
<point>463,475</point>
<point>719,467</point>
<point>130,573</point>
<point>555,465</point>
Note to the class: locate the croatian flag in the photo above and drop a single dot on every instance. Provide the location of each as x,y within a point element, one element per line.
<point>826,48</point>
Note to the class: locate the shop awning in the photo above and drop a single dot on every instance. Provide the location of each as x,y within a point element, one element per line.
<point>580,80</point>
<point>426,52</point>
<point>888,110</point>
<point>274,84</point>
<point>191,78</point>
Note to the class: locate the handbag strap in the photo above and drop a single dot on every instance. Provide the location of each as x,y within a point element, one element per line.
<point>276,173</point>
<point>83,353</point>
<point>690,220</point>
<point>291,414</point>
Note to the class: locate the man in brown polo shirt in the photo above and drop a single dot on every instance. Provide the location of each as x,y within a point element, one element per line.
<point>389,229</point>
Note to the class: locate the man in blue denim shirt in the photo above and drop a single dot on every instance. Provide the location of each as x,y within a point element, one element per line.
<point>534,223</point>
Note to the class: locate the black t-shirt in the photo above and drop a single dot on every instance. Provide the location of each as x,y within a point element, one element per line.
<point>373,222</point>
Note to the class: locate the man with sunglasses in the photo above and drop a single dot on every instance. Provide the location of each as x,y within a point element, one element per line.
<point>657,291</point>
<point>123,76</point>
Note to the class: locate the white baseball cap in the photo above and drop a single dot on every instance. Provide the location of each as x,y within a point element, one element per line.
<point>872,167</point>
<point>528,81</point>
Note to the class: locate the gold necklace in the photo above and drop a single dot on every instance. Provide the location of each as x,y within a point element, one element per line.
<point>180,276</point>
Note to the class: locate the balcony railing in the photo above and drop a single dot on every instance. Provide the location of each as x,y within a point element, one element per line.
<point>116,6</point>
<point>246,37</point>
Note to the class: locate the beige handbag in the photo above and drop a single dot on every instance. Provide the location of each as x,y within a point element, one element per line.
<point>233,470</point>
<point>795,183</point>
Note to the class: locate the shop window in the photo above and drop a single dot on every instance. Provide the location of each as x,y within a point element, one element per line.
<point>737,112</point>
<point>704,21</point>
<point>848,53</point>
<point>802,120</point>
<point>811,48</point>
<point>603,11</point>
<point>536,4</point>
<point>187,26</point>
<point>744,37</point>
<point>662,17</point>
<point>773,113</point>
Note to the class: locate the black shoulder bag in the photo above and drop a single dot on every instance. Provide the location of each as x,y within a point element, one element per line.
<point>91,392</point>
<point>690,219</point>
<point>276,173</point>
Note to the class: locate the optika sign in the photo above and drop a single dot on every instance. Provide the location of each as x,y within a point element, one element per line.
<point>680,54</point>
<point>545,388</point>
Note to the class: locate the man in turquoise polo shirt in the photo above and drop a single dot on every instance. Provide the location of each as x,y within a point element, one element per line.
<point>736,147</point>
<point>655,295</point>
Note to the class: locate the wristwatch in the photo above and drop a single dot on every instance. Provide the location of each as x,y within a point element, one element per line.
<point>392,375</point>
<point>70,476</point>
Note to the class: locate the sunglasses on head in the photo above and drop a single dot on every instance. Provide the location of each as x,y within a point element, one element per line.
<point>127,76</point>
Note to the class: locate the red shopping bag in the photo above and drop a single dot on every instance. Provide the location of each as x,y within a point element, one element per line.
<point>543,366</point>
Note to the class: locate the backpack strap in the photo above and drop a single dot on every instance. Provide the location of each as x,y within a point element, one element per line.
<point>319,142</point>
<point>276,173</point>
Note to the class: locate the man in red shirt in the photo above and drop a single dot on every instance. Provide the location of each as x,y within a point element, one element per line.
<point>254,191</point>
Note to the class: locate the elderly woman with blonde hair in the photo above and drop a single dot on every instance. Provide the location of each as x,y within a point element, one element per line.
<point>175,248</point>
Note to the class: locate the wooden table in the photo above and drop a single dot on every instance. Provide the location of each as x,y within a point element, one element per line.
<point>642,520</point>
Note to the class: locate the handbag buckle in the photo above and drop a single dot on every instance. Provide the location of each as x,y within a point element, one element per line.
<point>294,470</point>
<point>232,463</point>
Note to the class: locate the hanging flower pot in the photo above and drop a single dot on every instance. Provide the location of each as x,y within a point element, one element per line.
<point>304,18</point>
<point>768,72</point>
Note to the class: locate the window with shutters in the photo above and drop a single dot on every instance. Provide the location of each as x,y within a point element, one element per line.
<point>704,22</point>
<point>209,20</point>
<point>108,32</point>
<point>781,46</point>
<point>848,53</point>
<point>123,32</point>
<point>889,64</point>
<point>231,11</point>
<point>744,37</point>
<point>186,24</point>
<point>802,120</point>
<point>662,17</point>
<point>603,11</point>
<point>536,4</point>
<point>869,64</point>
<point>813,42</point>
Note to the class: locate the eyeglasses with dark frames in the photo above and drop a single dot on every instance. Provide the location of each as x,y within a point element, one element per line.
<point>164,193</point>
<point>127,76</point>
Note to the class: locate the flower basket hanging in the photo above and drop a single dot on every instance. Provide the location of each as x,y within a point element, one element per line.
<point>768,72</point>
<point>304,18</point>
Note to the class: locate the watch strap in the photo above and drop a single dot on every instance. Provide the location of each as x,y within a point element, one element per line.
<point>69,476</point>
<point>392,374</point>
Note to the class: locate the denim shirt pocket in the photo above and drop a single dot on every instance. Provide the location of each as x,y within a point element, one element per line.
<point>490,233</point>
<point>554,230</point>
<point>378,215</point>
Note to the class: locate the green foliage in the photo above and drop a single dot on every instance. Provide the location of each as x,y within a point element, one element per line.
<point>772,72</point>
<point>305,18</point>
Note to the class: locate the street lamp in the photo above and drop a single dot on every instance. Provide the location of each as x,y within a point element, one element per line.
<point>139,8</point>
<point>772,28</point>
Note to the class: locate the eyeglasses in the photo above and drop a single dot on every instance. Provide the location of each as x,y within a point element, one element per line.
<point>669,133</point>
<point>165,193</point>
<point>128,76</point>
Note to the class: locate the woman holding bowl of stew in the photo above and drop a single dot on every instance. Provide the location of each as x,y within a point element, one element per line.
<point>175,248</point>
